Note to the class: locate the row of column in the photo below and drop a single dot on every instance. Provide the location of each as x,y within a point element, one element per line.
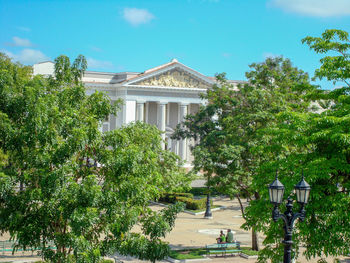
<point>161,120</point>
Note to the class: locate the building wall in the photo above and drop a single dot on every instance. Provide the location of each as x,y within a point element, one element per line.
<point>45,68</point>
<point>173,115</point>
<point>152,112</point>
<point>124,86</point>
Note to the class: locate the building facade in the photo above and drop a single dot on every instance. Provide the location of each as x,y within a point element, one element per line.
<point>161,96</point>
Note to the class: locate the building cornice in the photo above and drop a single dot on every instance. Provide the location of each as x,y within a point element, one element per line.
<point>142,87</point>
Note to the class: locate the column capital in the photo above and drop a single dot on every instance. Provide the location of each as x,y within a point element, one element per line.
<point>162,102</point>
<point>140,101</point>
<point>183,104</point>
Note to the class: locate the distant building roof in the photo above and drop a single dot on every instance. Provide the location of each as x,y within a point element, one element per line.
<point>118,77</point>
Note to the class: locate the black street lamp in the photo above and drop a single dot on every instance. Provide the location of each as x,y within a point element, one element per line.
<point>276,190</point>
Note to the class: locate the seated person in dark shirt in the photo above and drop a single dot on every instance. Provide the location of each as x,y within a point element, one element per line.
<point>222,238</point>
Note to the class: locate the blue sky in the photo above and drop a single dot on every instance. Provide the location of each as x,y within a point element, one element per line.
<point>210,36</point>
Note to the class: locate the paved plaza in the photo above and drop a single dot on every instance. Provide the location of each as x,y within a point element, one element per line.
<point>194,231</point>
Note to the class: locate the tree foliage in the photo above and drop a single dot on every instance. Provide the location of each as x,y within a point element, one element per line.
<point>318,144</point>
<point>66,188</point>
<point>229,144</point>
<point>268,124</point>
<point>333,68</point>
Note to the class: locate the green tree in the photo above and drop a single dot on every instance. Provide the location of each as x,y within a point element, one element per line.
<point>318,143</point>
<point>64,184</point>
<point>333,68</point>
<point>227,129</point>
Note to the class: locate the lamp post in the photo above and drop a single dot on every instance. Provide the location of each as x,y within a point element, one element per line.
<point>276,190</point>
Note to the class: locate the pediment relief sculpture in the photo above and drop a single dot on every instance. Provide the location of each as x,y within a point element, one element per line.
<point>174,78</point>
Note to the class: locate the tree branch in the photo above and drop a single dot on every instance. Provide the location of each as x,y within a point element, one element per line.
<point>241,205</point>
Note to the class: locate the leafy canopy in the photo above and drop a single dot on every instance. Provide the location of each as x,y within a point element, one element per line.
<point>316,142</point>
<point>227,130</point>
<point>68,189</point>
<point>333,67</point>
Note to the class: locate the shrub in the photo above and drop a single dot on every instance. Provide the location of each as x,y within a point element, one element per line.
<point>188,195</point>
<point>193,204</point>
<point>186,198</point>
<point>171,197</point>
<point>196,191</point>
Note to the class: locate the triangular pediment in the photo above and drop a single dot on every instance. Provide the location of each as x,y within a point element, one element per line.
<point>174,78</point>
<point>176,75</point>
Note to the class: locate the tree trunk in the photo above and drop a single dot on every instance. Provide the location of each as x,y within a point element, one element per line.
<point>241,205</point>
<point>255,240</point>
<point>208,214</point>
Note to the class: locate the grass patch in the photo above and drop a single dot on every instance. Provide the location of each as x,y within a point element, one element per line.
<point>187,254</point>
<point>196,253</point>
<point>249,252</point>
<point>194,211</point>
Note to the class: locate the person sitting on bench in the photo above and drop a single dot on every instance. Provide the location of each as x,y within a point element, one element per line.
<point>222,238</point>
<point>229,236</point>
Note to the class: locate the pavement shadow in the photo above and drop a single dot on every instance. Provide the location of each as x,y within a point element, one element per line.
<point>234,208</point>
<point>182,247</point>
<point>193,217</point>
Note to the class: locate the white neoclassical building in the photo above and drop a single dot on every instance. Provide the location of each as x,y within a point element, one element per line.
<point>161,96</point>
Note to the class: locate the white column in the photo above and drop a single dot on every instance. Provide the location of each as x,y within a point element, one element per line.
<point>123,112</point>
<point>123,96</point>
<point>183,109</point>
<point>161,120</point>
<point>168,114</point>
<point>146,112</point>
<point>140,110</point>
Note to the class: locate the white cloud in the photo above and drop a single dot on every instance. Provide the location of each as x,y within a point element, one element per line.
<point>226,55</point>
<point>23,28</point>
<point>27,56</point>
<point>137,16</point>
<point>20,42</point>
<point>320,8</point>
<point>94,63</point>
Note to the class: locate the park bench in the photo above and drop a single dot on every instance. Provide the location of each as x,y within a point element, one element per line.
<point>223,249</point>
<point>8,245</point>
